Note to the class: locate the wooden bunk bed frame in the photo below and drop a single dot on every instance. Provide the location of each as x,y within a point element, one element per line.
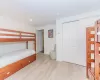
<point>89,51</point>
<point>7,35</point>
<point>93,73</point>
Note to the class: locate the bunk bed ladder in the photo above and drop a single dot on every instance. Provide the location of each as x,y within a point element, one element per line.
<point>88,49</point>
<point>93,73</point>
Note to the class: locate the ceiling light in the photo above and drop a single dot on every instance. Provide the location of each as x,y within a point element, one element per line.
<point>31,20</point>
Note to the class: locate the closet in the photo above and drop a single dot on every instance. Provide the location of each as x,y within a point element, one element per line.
<point>73,43</point>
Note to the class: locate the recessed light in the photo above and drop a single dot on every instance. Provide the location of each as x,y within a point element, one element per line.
<point>31,20</point>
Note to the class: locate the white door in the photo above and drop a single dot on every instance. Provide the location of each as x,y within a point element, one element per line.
<point>73,42</point>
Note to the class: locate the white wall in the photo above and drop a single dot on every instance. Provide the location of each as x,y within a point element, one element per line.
<point>85,20</point>
<point>9,23</point>
<point>48,42</point>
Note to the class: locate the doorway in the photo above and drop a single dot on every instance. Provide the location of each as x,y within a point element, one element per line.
<point>40,41</point>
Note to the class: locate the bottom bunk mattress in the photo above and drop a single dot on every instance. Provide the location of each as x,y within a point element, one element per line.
<point>15,56</point>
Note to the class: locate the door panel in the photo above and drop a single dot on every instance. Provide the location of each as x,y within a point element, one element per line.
<point>72,43</point>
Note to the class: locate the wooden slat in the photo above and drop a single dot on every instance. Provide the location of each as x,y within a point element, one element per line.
<point>91,60</point>
<point>91,36</point>
<point>16,35</point>
<point>35,45</point>
<point>15,40</point>
<point>91,42</point>
<point>28,33</point>
<point>27,36</point>
<point>91,51</point>
<point>22,36</point>
<point>10,35</point>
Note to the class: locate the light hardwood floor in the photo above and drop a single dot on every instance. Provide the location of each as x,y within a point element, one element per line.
<point>46,69</point>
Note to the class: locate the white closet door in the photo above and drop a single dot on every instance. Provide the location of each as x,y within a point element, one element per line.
<point>72,43</point>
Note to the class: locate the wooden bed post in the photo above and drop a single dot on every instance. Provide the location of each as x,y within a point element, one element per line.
<point>35,43</point>
<point>35,46</point>
<point>87,52</point>
<point>96,61</point>
<point>97,45</point>
<point>26,44</point>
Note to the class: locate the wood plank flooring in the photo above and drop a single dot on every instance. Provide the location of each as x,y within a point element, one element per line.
<point>46,69</point>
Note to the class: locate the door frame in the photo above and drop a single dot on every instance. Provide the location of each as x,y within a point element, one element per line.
<point>37,46</point>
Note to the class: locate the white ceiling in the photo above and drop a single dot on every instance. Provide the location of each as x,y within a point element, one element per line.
<point>44,12</point>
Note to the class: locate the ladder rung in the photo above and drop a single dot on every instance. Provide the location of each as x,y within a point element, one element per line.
<point>91,42</point>
<point>91,51</point>
<point>91,60</point>
<point>91,36</point>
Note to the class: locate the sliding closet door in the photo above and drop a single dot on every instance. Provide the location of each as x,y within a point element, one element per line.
<point>73,42</point>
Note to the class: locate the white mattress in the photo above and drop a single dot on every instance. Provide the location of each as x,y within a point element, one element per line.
<point>15,56</point>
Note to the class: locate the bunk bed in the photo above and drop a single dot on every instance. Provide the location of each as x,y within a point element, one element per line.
<point>14,61</point>
<point>93,52</point>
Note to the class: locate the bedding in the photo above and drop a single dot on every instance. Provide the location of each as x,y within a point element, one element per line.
<point>15,56</point>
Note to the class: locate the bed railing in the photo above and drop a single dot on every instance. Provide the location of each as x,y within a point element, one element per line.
<point>7,35</point>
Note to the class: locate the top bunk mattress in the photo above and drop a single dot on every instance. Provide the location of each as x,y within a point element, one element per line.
<point>15,56</point>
